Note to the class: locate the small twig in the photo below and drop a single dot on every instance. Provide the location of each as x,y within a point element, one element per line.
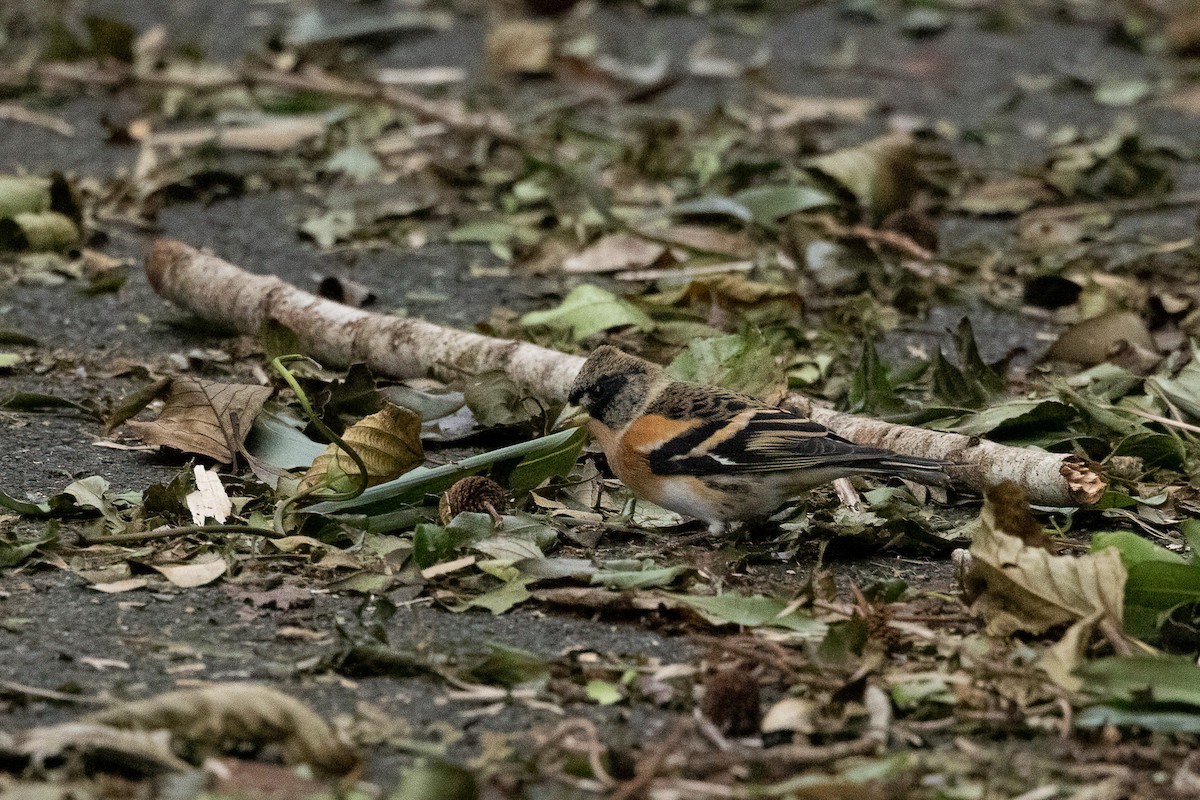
<point>1112,632</point>
<point>49,694</point>
<point>893,239</point>
<point>648,769</point>
<point>186,530</point>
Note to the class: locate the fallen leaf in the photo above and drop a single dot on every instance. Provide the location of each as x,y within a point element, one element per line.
<point>222,714</point>
<point>881,174</point>
<point>1092,341</point>
<point>520,47</point>
<point>1012,195</point>
<point>588,310</point>
<point>1018,587</point>
<point>388,442</point>
<point>116,587</point>
<point>616,251</point>
<point>205,417</point>
<point>194,573</point>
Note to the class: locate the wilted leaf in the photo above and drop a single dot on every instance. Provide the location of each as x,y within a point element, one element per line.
<point>1092,341</point>
<point>388,442</point>
<point>881,174</point>
<point>205,417</point>
<point>497,400</point>
<point>215,716</point>
<point>614,252</point>
<point>792,110</point>
<point>23,195</point>
<point>200,572</point>
<point>753,611</point>
<point>550,455</point>
<point>769,204</point>
<point>1006,196</point>
<point>1019,587</point>
<point>520,47</point>
<point>588,310</point>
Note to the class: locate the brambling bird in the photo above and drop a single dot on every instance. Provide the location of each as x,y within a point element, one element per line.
<point>713,454</point>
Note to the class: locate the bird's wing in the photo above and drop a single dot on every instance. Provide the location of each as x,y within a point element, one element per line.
<point>756,440</point>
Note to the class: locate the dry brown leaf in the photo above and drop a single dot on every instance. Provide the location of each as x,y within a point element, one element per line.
<point>705,239</point>
<point>1093,340</point>
<point>98,746</point>
<point>1012,195</point>
<point>214,717</point>
<point>614,252</point>
<point>389,443</point>
<point>880,173</point>
<point>792,110</point>
<point>205,417</point>
<point>520,47</point>
<point>273,135</point>
<point>1017,587</point>
<point>194,573</point>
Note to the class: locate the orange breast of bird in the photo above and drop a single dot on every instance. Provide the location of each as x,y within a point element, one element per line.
<point>627,452</point>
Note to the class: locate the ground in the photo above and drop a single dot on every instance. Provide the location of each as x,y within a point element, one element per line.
<point>996,86</point>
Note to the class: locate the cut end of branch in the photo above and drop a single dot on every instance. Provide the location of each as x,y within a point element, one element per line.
<point>1085,484</point>
<point>161,259</point>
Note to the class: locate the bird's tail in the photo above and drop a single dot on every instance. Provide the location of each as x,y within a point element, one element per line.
<point>928,471</point>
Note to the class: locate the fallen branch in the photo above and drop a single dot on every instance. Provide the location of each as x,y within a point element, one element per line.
<point>338,336</point>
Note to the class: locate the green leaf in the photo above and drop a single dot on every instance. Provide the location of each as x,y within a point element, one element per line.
<point>638,579</point>
<point>1159,586</point>
<point>436,780</point>
<point>1015,419</point>
<point>871,389</point>
<point>536,457</point>
<point>509,666</point>
<point>974,383</point>
<point>603,692</point>
<point>752,611</point>
<point>276,439</point>
<point>1144,681</point>
<point>498,600</point>
<point>769,204</point>
<point>1191,531</point>
<point>1134,549</point>
<point>710,206</point>
<point>24,507</point>
<point>13,554</point>
<point>742,362</point>
<point>588,310</point>
<point>1123,715</point>
<point>551,462</point>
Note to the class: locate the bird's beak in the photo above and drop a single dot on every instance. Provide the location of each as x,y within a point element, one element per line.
<point>572,416</point>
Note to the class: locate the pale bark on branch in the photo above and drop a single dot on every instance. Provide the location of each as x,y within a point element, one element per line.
<point>338,335</point>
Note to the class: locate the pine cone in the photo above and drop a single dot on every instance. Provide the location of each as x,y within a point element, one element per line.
<point>474,493</point>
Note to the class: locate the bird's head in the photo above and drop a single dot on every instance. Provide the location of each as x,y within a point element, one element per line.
<point>613,386</point>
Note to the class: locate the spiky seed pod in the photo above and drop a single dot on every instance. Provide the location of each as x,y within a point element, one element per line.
<point>731,701</point>
<point>474,493</point>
